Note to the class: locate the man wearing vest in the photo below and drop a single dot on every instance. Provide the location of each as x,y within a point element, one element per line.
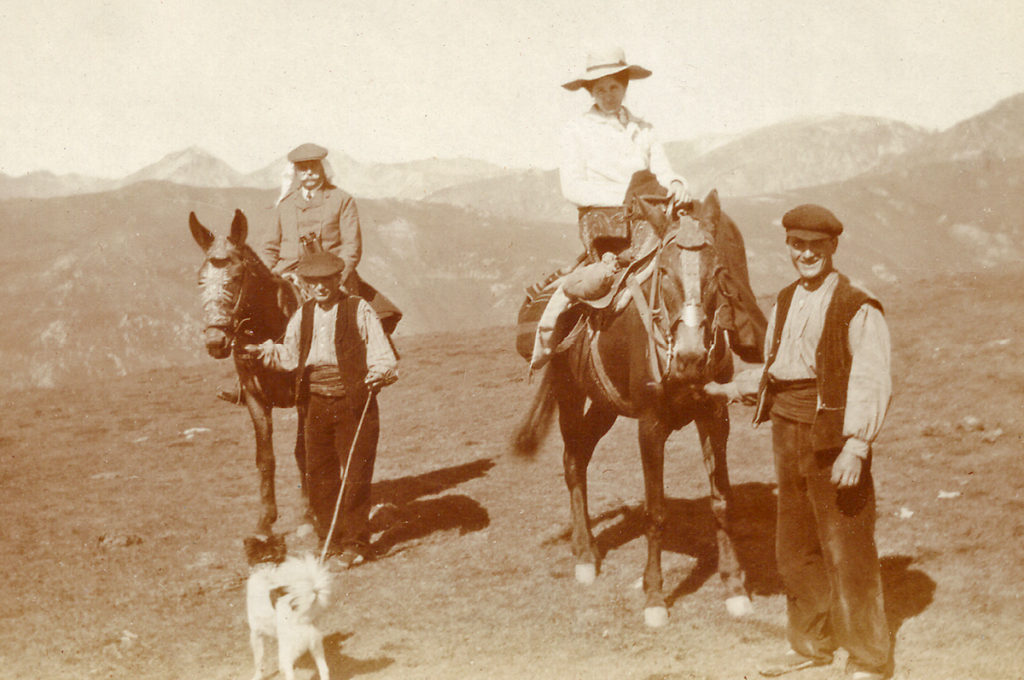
<point>312,214</point>
<point>341,358</point>
<point>826,387</point>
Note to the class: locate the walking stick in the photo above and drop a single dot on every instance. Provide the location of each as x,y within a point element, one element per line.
<point>344,476</point>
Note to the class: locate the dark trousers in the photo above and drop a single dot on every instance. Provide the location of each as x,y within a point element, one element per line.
<point>825,548</point>
<point>330,423</point>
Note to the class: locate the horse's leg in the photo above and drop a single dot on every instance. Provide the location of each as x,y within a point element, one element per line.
<point>653,433</point>
<point>713,429</point>
<point>580,434</point>
<point>263,426</point>
<point>306,523</point>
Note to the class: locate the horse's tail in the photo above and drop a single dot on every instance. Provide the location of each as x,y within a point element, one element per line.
<point>537,421</point>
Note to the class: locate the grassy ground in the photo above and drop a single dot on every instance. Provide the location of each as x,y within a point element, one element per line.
<point>122,524</point>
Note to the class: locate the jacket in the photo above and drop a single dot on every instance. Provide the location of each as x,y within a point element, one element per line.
<point>330,216</point>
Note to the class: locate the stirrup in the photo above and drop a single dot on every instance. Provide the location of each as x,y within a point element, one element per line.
<point>231,396</point>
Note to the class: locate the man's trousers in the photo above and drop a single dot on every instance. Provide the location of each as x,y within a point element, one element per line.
<point>825,548</point>
<point>328,428</point>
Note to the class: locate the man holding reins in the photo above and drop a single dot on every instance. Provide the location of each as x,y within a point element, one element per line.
<point>825,387</point>
<point>341,357</point>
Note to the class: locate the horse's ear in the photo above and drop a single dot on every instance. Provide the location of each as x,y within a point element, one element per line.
<point>713,206</point>
<point>202,235</point>
<point>239,228</point>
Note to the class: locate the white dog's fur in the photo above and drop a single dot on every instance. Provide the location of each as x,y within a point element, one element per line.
<point>284,601</point>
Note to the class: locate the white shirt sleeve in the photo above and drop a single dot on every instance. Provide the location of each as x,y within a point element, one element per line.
<point>870,388</point>
<point>283,356</point>
<point>381,361</point>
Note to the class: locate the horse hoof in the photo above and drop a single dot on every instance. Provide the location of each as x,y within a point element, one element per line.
<point>656,617</point>
<point>586,573</point>
<point>304,530</point>
<point>739,606</point>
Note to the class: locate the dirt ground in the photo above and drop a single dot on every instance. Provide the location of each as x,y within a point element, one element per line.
<point>125,505</point>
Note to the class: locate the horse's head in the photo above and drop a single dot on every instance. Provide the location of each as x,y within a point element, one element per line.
<point>221,280</point>
<point>689,299</point>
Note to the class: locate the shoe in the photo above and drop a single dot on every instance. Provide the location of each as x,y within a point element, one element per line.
<point>350,558</point>
<point>788,663</point>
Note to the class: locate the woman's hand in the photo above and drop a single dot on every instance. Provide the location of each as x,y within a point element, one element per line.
<point>678,193</point>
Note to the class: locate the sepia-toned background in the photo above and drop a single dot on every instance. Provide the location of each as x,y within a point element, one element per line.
<point>127,487</point>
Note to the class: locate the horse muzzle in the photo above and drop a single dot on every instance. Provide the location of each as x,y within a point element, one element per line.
<point>688,352</point>
<point>218,343</point>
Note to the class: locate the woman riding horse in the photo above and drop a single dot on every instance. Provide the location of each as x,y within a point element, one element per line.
<point>650,362</point>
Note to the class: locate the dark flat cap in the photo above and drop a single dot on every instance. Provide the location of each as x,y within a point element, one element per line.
<point>810,222</point>
<point>324,263</point>
<point>307,152</point>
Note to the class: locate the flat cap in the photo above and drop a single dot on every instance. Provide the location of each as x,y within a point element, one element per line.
<point>323,263</point>
<point>810,222</point>
<point>307,152</point>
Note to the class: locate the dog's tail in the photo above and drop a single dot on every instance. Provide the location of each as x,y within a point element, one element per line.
<point>307,583</point>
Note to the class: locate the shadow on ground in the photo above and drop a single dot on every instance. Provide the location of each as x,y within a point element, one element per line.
<point>908,592</point>
<point>690,530</point>
<point>404,515</point>
<point>341,666</point>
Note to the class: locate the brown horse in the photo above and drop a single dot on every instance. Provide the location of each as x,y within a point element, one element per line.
<point>650,361</point>
<point>243,303</point>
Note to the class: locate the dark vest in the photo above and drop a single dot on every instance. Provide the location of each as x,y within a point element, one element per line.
<point>832,361</point>
<point>348,346</point>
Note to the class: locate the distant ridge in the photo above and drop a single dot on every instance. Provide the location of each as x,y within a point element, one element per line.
<point>800,153</point>
<point>192,166</point>
<point>788,155</point>
<point>997,133</point>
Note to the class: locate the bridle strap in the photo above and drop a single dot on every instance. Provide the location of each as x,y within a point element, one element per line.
<point>647,317</point>
<point>234,323</point>
<point>610,391</point>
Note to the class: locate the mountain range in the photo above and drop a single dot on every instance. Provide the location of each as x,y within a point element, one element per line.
<point>102,280</point>
<point>196,167</point>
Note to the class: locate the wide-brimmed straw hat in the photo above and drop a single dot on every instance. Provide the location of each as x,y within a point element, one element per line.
<point>606,62</point>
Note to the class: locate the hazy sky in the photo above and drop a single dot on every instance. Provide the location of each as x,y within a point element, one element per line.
<point>105,88</point>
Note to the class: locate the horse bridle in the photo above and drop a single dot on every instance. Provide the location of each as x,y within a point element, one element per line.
<point>693,314</point>
<point>234,326</point>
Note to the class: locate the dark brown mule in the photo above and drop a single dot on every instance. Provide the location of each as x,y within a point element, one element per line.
<point>244,303</point>
<point>613,365</point>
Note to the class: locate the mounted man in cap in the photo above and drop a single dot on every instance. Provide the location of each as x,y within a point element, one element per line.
<point>826,387</point>
<point>341,357</point>
<point>311,215</point>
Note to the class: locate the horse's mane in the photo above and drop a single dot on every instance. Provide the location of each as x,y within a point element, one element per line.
<point>253,262</point>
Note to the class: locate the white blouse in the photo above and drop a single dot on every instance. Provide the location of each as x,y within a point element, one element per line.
<point>601,152</point>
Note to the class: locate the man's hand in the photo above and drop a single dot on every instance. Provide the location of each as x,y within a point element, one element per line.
<point>847,468</point>
<point>375,381</point>
<point>743,388</point>
<point>727,390</point>
<point>249,353</point>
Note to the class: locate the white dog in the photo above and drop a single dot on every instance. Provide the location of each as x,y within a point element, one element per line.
<point>284,600</point>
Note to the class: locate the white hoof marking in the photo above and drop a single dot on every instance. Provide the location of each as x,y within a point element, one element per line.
<point>304,530</point>
<point>739,606</point>
<point>656,617</point>
<point>586,573</point>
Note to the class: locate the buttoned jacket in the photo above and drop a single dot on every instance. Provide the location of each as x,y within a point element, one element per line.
<point>330,216</point>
